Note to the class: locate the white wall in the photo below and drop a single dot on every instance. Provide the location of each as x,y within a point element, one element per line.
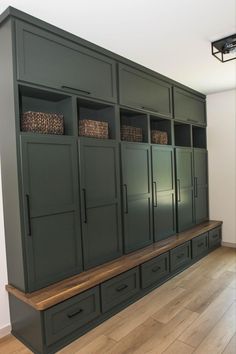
<point>221,115</point>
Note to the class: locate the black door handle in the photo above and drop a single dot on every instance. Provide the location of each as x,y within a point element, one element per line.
<point>155,194</point>
<point>126,199</point>
<point>180,255</point>
<point>195,187</point>
<point>178,190</point>
<point>155,269</point>
<point>200,244</point>
<point>122,287</point>
<point>76,89</point>
<point>28,215</point>
<point>76,313</point>
<point>85,206</point>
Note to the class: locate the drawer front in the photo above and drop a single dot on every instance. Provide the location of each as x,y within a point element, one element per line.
<point>180,256</point>
<point>66,317</point>
<point>50,60</point>
<point>120,289</point>
<point>199,245</point>
<point>155,270</point>
<point>144,91</point>
<point>215,237</point>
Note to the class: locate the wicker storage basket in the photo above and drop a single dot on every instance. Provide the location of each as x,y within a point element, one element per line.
<point>129,133</point>
<point>93,129</point>
<point>43,123</point>
<point>159,137</point>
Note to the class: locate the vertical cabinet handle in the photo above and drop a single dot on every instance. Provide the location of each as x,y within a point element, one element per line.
<point>178,190</point>
<point>85,206</point>
<point>195,187</point>
<point>126,199</point>
<point>28,214</point>
<point>155,194</point>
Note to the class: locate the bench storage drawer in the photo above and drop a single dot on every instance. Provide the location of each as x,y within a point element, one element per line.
<point>215,237</point>
<point>155,270</point>
<point>199,245</point>
<point>180,256</point>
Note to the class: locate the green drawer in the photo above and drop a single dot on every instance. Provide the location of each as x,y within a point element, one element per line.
<point>180,256</point>
<point>119,289</point>
<point>215,237</point>
<point>155,270</point>
<point>199,245</point>
<point>64,318</point>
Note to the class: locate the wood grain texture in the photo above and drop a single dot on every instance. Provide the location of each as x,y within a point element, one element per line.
<point>53,294</point>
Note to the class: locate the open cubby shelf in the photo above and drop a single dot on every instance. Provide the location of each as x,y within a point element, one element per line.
<point>163,125</point>
<point>97,111</point>
<point>135,119</point>
<point>182,134</point>
<point>199,137</point>
<point>39,100</point>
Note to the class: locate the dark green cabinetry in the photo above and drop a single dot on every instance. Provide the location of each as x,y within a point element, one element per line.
<point>180,256</point>
<point>200,245</point>
<point>100,198</point>
<point>200,185</point>
<point>215,238</point>
<point>137,195</point>
<point>140,90</point>
<point>188,107</point>
<point>51,208</point>
<point>163,182</point>
<point>49,60</point>
<point>155,270</point>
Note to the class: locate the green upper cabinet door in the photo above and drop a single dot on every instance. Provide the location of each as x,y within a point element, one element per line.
<point>47,59</point>
<point>200,185</point>
<point>137,196</point>
<point>51,208</point>
<point>188,107</point>
<point>163,192</point>
<point>100,198</point>
<point>184,186</point>
<point>140,90</point>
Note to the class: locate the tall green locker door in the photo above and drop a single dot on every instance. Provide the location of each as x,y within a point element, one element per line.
<point>137,195</point>
<point>200,185</point>
<point>184,186</point>
<point>100,200</point>
<point>51,208</point>
<point>163,181</point>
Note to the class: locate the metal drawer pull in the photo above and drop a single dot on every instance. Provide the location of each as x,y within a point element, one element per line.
<point>85,206</point>
<point>28,214</point>
<point>126,199</point>
<point>76,313</point>
<point>150,109</point>
<point>178,190</point>
<point>122,287</point>
<point>155,269</point>
<point>155,194</point>
<point>200,244</point>
<point>76,89</point>
<point>215,236</point>
<point>195,188</point>
<point>180,255</point>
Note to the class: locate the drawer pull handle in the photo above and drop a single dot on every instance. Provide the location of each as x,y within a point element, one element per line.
<point>215,236</point>
<point>76,313</point>
<point>180,255</point>
<point>76,89</point>
<point>155,269</point>
<point>122,287</point>
<point>200,244</point>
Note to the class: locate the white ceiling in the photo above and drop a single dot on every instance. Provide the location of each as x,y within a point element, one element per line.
<point>170,36</point>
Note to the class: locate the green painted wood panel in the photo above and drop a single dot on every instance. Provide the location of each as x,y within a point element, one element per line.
<point>138,89</point>
<point>49,60</point>
<point>51,208</point>
<point>100,198</point>
<point>200,185</point>
<point>164,212</point>
<point>137,196</point>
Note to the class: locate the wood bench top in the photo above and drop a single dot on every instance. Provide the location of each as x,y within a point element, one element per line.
<point>44,298</point>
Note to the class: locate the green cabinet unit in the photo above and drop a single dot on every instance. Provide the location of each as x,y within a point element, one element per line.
<point>137,195</point>
<point>184,186</point>
<point>188,107</point>
<point>50,60</point>
<point>163,182</point>
<point>140,90</point>
<point>100,200</point>
<point>200,185</point>
<point>51,208</point>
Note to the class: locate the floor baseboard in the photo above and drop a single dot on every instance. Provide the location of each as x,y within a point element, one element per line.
<point>229,244</point>
<point>4,331</point>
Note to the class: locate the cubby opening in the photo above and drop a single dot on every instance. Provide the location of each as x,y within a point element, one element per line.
<point>182,134</point>
<point>199,137</point>
<point>163,125</point>
<point>134,119</point>
<point>99,112</point>
<point>38,100</point>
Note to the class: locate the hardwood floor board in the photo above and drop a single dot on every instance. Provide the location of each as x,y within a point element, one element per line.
<point>101,344</point>
<point>199,329</point>
<point>231,346</point>
<point>216,341</point>
<point>178,347</point>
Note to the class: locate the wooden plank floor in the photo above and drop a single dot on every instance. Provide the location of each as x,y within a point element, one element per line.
<point>193,313</point>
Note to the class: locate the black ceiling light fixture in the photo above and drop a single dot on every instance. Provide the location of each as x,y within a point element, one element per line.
<point>224,49</point>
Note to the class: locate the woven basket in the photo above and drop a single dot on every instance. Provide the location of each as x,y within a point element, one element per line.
<point>159,137</point>
<point>129,133</point>
<point>93,129</point>
<point>43,123</point>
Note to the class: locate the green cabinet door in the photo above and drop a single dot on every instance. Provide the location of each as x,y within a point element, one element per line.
<point>51,208</point>
<point>188,107</point>
<point>137,196</point>
<point>100,198</point>
<point>138,89</point>
<point>47,59</point>
<point>184,188</point>
<point>164,211</point>
<point>200,185</point>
